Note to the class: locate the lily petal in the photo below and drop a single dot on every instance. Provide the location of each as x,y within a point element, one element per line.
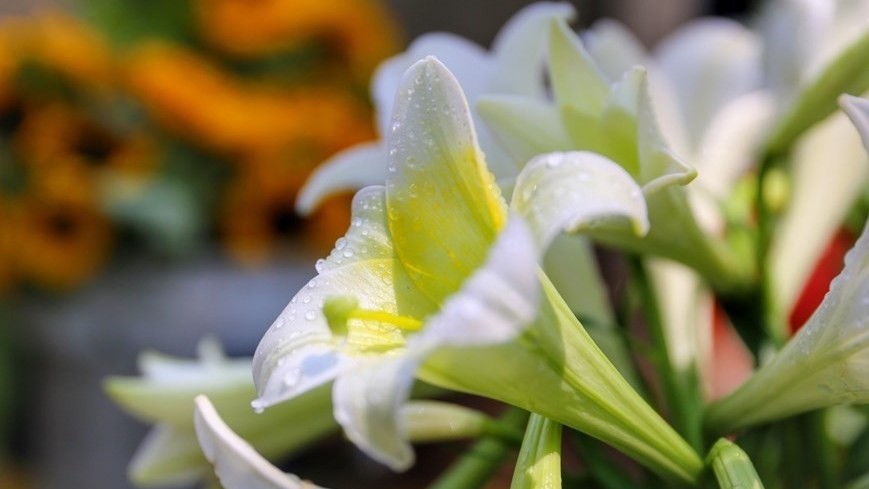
<point>236,463</point>
<point>519,47</point>
<point>165,393</point>
<point>710,63</point>
<point>433,153</point>
<point>525,127</point>
<point>493,306</point>
<point>467,60</point>
<point>614,48</point>
<point>351,169</point>
<point>573,191</point>
<point>823,365</point>
<point>576,79</point>
<point>858,111</point>
<point>821,198</point>
<point>298,351</point>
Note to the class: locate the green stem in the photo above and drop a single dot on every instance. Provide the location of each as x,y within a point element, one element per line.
<point>680,388</point>
<point>483,459</point>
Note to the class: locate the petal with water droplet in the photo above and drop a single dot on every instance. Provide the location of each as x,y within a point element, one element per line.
<point>572,191</point>
<point>299,351</point>
<point>443,205</point>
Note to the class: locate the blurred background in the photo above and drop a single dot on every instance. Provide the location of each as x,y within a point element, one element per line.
<point>150,155</point>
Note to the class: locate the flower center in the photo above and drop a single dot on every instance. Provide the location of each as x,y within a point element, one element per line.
<point>340,310</point>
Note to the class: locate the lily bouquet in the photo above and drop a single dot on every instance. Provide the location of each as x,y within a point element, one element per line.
<point>715,170</point>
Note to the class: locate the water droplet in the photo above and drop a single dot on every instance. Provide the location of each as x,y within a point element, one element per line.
<point>292,377</point>
<point>340,244</point>
<point>387,279</point>
<point>320,265</point>
<point>306,299</point>
<point>396,125</point>
<point>312,284</point>
<point>357,221</point>
<point>310,315</point>
<point>279,323</point>
<point>348,253</point>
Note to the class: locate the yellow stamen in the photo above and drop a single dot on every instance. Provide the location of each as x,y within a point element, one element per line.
<point>401,322</point>
<point>339,310</point>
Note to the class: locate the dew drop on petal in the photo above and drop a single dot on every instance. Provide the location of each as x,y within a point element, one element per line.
<point>292,377</point>
<point>310,315</point>
<point>340,243</point>
<point>320,265</point>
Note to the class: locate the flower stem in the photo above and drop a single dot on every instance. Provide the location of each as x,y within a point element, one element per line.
<point>483,459</point>
<point>681,391</point>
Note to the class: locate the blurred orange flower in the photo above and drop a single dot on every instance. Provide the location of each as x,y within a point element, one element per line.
<point>60,42</point>
<point>258,210</point>
<point>54,132</point>
<point>358,32</point>
<point>196,99</point>
<point>59,235</point>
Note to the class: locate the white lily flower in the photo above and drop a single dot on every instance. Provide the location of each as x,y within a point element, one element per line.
<point>434,279</point>
<point>826,28</point>
<point>164,397</point>
<point>616,119</point>
<point>514,66</point>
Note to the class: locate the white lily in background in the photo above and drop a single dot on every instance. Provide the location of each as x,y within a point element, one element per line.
<point>514,66</point>
<point>825,363</point>
<point>616,120</point>
<point>705,83</point>
<point>164,395</point>
<point>820,198</point>
<point>826,28</point>
<point>431,280</point>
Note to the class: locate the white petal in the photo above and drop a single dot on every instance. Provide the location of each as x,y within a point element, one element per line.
<point>710,62</point>
<point>368,401</point>
<point>576,79</point>
<point>732,141</point>
<point>444,207</point>
<point>166,392</point>
<point>236,463</point>
<point>298,351</point>
<point>659,166</point>
<point>352,169</point>
<point>788,56</point>
<point>497,301</point>
<point>614,48</point>
<point>572,191</point>
<point>519,47</point>
<point>493,306</point>
<point>830,170</point>
<point>467,61</point>
<point>857,110</point>
<point>525,127</point>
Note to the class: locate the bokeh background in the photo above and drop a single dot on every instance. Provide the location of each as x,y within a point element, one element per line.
<point>150,154</point>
